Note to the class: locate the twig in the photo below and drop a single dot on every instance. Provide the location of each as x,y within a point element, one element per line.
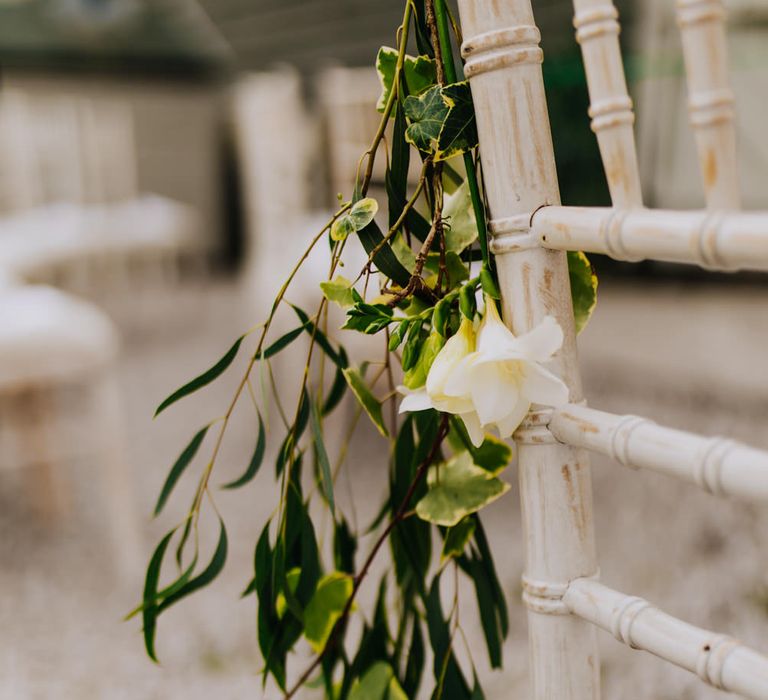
<point>360,576</point>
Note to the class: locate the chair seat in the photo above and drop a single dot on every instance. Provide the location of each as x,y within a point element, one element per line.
<point>48,336</point>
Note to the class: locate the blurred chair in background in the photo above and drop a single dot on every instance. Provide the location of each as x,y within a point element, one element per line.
<point>60,403</point>
<point>75,217</point>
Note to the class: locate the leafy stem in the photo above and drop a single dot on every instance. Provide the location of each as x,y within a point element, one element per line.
<point>398,517</point>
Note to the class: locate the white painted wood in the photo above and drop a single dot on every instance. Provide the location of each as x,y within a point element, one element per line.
<point>710,98</point>
<point>713,240</point>
<point>503,65</point>
<point>597,31</point>
<point>720,466</point>
<point>718,660</point>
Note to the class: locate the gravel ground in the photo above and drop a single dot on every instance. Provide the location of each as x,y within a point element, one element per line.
<point>691,357</point>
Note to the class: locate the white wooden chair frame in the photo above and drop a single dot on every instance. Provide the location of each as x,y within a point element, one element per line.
<point>530,234</point>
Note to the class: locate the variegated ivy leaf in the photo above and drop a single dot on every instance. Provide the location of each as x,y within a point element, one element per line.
<point>419,73</point>
<point>339,291</point>
<point>325,607</point>
<point>442,121</point>
<point>460,216</point>
<point>583,288</point>
<point>459,132</point>
<point>370,404</point>
<point>356,219</point>
<point>378,683</point>
<point>403,252</point>
<point>456,489</point>
<point>426,114</point>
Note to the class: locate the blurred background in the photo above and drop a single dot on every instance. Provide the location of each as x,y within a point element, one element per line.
<point>162,165</point>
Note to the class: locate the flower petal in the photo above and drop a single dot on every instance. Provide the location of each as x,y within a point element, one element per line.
<point>493,393</point>
<point>541,386</point>
<point>415,401</point>
<point>507,425</point>
<point>474,429</point>
<point>542,341</point>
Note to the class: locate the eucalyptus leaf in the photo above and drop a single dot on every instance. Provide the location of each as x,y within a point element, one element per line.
<point>456,489</point>
<point>183,461</point>
<point>203,379</point>
<point>322,458</point>
<point>371,405</point>
<point>325,607</point>
<point>583,288</point>
<point>255,462</point>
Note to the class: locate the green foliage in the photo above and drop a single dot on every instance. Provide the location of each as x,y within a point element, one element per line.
<point>370,404</point>
<point>420,280</point>
<point>456,489</point>
<point>583,288</point>
<point>418,72</point>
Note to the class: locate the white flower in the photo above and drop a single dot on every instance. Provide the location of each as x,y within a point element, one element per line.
<point>503,376</point>
<point>491,381</point>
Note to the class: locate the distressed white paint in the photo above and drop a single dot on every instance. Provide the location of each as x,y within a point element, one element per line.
<point>718,660</point>
<point>503,64</point>
<point>720,466</point>
<point>714,239</point>
<point>610,109</point>
<point>710,98</point>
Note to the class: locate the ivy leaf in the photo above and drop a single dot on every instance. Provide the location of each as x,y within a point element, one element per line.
<point>325,608</point>
<point>419,73</point>
<point>426,114</point>
<point>456,489</point>
<point>583,288</point>
<point>365,398</point>
<point>338,290</point>
<point>203,379</point>
<point>356,219</point>
<point>459,130</point>
<point>462,226</point>
<point>378,683</point>
<point>183,461</point>
<point>457,537</point>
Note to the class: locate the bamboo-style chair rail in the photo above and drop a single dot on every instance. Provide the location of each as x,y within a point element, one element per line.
<point>717,659</point>
<point>530,232</point>
<point>712,239</point>
<point>718,465</point>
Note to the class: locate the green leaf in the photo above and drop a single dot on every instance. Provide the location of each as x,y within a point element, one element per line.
<point>378,683</point>
<point>403,252</point>
<point>149,612</point>
<point>457,537</point>
<point>256,459</point>
<point>487,608</point>
<point>342,228</point>
<point>208,574</point>
<point>322,458</point>
<point>462,225</point>
<point>583,288</point>
<point>419,73</point>
<point>357,218</point>
<point>426,114</point>
<point>368,318</point>
<point>339,386</point>
<point>362,212</point>
<point>459,131</point>
<point>415,666</point>
<point>282,342</point>
<point>454,266</point>
<point>338,291</point>
<point>325,607</point>
<point>385,260</point>
<point>416,376</point>
<point>179,466</point>
<point>203,379</point>
<point>344,547</point>
<point>366,399</point>
<point>456,489</point>
<point>320,338</point>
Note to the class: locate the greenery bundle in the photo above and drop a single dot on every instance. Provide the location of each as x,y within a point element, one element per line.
<point>427,291</point>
